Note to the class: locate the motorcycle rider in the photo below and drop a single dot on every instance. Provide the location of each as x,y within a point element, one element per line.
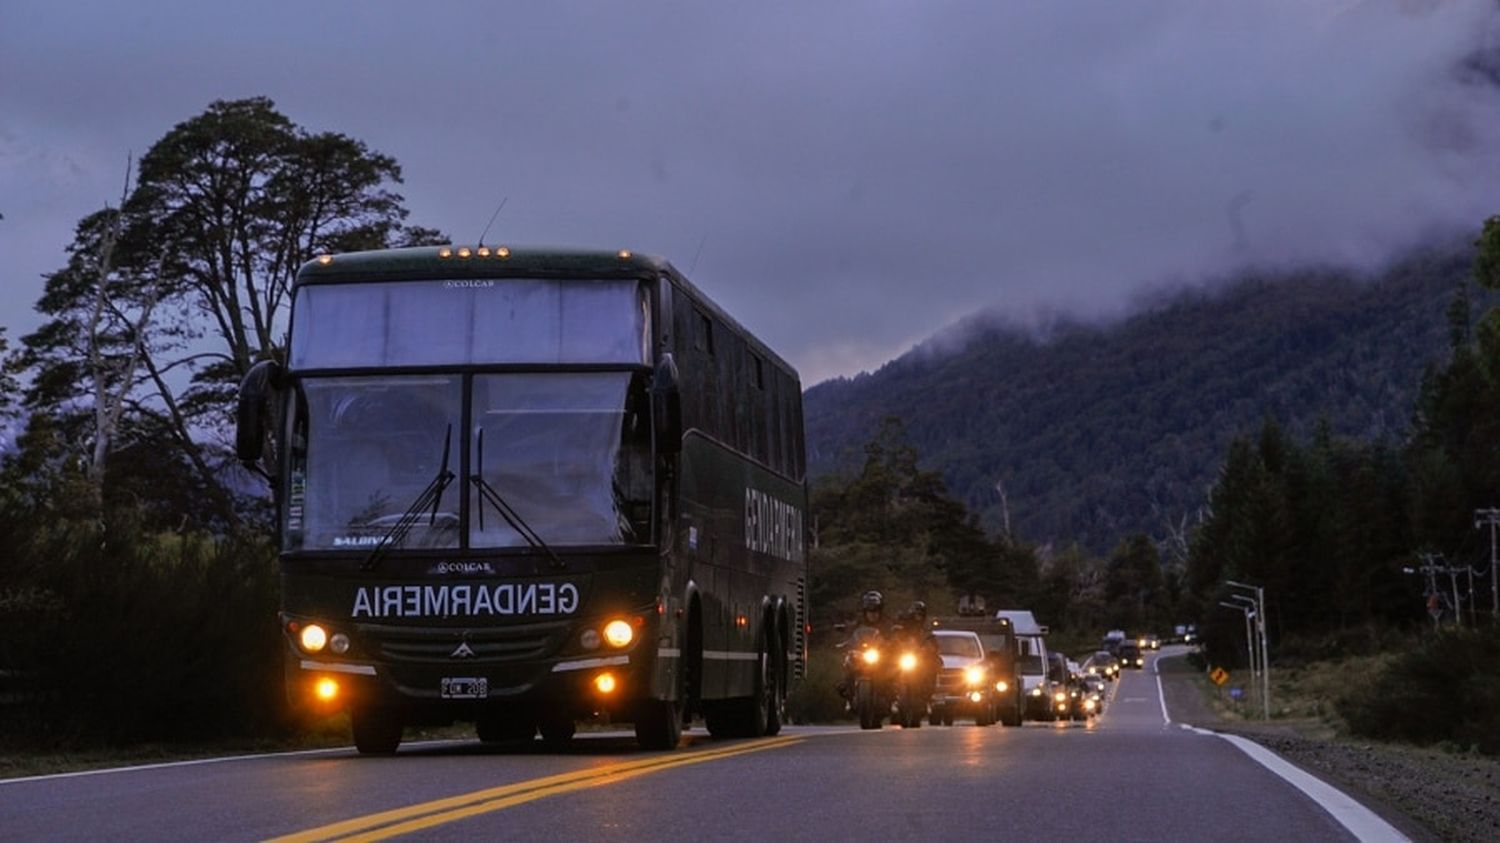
<point>917,634</point>
<point>871,626</point>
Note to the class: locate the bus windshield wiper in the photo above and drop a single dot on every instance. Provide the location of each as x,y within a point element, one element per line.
<point>430,496</point>
<point>513,518</point>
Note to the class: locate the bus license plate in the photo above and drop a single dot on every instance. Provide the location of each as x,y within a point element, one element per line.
<point>465,688</point>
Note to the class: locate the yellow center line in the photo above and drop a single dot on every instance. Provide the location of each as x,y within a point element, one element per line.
<point>379,826</point>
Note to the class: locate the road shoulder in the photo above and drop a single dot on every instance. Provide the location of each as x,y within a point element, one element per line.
<point>1427,795</point>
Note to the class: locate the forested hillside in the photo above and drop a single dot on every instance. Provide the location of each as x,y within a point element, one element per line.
<point>1098,432</point>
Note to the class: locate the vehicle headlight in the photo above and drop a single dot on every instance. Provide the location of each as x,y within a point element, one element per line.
<point>871,655</point>
<point>618,633</point>
<point>1088,705</point>
<point>339,643</point>
<point>1002,687</point>
<point>313,638</point>
<point>974,675</point>
<point>1061,696</point>
<point>1036,692</point>
<point>908,661</point>
<point>975,696</point>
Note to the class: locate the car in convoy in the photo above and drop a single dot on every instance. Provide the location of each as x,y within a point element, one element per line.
<point>1130,655</point>
<point>1103,665</point>
<point>1002,661</point>
<point>962,687</point>
<point>1148,642</point>
<point>1095,689</point>
<point>1036,686</point>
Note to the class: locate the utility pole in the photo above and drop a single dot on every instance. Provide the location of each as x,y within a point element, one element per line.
<point>1253,614</point>
<point>1491,518</point>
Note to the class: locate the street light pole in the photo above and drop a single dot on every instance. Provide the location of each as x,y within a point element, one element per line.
<point>1491,518</point>
<point>1265,653</point>
<point>1257,658</point>
<point>1249,637</point>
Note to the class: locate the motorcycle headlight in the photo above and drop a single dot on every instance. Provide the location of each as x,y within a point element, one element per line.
<point>1061,696</point>
<point>1002,687</point>
<point>1036,692</point>
<point>974,675</point>
<point>908,661</point>
<point>871,656</point>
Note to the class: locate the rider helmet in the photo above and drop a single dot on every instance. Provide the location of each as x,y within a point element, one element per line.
<point>918,611</point>
<point>872,601</point>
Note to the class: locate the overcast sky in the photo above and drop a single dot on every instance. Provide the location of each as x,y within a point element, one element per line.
<point>848,177</point>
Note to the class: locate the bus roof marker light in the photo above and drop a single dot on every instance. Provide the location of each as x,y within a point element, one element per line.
<point>624,254</point>
<point>464,252</point>
<point>502,251</point>
<point>483,251</point>
<point>445,252</point>
<point>325,259</point>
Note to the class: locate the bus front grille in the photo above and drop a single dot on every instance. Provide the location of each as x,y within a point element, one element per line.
<point>486,644</point>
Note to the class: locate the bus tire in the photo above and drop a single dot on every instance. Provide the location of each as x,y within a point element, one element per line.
<point>659,724</point>
<point>773,692</point>
<point>377,731</point>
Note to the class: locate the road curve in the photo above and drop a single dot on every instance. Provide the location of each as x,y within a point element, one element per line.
<point>1129,775</point>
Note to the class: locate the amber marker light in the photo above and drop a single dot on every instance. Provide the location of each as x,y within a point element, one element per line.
<point>618,633</point>
<point>313,638</point>
<point>502,252</point>
<point>465,252</point>
<point>605,683</point>
<point>483,251</point>
<point>624,254</point>
<point>445,252</point>
<point>326,689</point>
<point>325,259</point>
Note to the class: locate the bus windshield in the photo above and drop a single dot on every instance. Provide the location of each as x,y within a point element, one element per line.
<point>364,450</point>
<point>568,452</point>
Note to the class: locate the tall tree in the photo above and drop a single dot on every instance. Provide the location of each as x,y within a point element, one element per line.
<point>227,206</point>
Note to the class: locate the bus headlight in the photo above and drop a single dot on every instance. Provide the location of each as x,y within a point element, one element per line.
<point>339,643</point>
<point>313,638</point>
<point>974,675</point>
<point>618,633</point>
<point>589,639</point>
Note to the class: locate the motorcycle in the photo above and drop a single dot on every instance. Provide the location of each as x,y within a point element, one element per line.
<point>911,699</point>
<point>866,678</point>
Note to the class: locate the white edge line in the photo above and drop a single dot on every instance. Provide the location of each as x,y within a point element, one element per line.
<point>1161,695</point>
<point>1359,820</point>
<point>199,761</point>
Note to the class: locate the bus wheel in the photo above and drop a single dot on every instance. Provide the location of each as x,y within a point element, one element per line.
<point>377,731</point>
<point>659,724</point>
<point>773,690</point>
<point>557,731</point>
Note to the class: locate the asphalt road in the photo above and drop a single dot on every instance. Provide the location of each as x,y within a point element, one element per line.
<point>1129,775</point>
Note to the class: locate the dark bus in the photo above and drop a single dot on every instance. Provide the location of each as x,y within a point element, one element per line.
<point>528,487</point>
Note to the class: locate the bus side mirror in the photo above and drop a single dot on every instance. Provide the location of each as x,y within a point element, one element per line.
<point>256,388</point>
<point>666,406</point>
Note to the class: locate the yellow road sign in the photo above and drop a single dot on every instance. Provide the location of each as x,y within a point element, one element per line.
<point>1219,675</point>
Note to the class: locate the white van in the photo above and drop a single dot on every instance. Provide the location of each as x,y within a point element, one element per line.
<point>1032,662</point>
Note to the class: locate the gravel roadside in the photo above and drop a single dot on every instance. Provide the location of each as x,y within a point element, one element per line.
<point>1427,794</point>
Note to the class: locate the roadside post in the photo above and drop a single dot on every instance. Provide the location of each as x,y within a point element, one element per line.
<point>1491,518</point>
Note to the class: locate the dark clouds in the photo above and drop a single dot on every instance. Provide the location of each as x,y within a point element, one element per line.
<point>857,174</point>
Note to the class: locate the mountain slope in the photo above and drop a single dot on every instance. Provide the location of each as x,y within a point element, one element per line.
<point>1097,432</point>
